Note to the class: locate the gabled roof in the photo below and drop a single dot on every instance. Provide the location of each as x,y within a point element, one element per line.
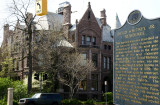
<point>49,21</point>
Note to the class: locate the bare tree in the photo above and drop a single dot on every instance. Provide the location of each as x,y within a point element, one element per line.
<point>19,10</point>
<point>49,46</point>
<point>73,70</point>
<point>62,61</point>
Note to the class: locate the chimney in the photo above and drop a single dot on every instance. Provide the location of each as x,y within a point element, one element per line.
<point>66,19</point>
<point>89,5</point>
<point>103,17</point>
<point>6,31</point>
<point>67,14</point>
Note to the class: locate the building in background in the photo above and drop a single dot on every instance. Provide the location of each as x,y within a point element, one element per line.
<point>91,35</point>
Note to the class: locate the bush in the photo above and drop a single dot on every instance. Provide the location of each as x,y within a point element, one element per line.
<point>109,97</point>
<point>71,102</point>
<point>15,102</point>
<point>3,101</point>
<point>5,83</point>
<point>90,101</point>
<point>20,90</point>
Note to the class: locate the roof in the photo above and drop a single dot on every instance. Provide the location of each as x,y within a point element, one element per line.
<point>49,21</point>
<point>106,34</point>
<point>63,43</point>
<point>117,23</point>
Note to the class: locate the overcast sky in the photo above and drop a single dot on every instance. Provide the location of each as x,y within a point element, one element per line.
<point>149,8</point>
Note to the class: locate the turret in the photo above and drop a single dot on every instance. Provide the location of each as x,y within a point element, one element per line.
<point>117,23</point>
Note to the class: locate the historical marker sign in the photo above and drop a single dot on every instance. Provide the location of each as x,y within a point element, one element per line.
<point>41,7</point>
<point>137,61</point>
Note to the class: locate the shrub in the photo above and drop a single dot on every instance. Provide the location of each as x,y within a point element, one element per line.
<point>15,102</point>
<point>71,102</point>
<point>90,101</point>
<point>3,101</point>
<point>19,90</point>
<point>109,97</point>
<point>4,84</point>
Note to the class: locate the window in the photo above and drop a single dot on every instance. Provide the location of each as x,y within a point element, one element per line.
<point>109,47</point>
<point>88,40</point>
<point>108,63</point>
<point>94,40</point>
<point>89,15</point>
<point>16,64</point>
<point>84,55</point>
<point>83,85</point>
<point>105,62</point>
<point>83,40</point>
<point>95,59</point>
<point>94,82</point>
<point>43,96</point>
<point>105,47</point>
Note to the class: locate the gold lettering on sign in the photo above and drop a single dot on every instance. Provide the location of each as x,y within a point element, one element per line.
<point>137,66</point>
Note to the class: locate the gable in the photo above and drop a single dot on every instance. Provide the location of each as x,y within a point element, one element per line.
<point>88,22</point>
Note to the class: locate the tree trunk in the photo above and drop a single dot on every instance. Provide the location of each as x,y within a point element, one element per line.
<point>71,93</point>
<point>30,63</point>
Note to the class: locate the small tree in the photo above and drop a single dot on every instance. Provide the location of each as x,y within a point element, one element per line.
<point>19,88</point>
<point>7,68</point>
<point>73,70</point>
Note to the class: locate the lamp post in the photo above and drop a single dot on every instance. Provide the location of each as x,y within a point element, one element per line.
<point>105,83</point>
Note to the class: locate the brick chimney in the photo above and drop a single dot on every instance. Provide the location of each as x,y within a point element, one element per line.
<point>103,17</point>
<point>67,19</point>
<point>5,32</point>
<point>67,14</point>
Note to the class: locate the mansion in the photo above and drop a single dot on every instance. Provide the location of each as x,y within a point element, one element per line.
<point>91,35</point>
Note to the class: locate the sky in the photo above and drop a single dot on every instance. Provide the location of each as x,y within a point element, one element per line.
<point>150,9</point>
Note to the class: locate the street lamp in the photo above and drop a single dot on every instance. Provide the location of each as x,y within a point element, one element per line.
<point>105,83</point>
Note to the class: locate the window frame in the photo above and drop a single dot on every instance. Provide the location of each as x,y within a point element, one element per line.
<point>93,40</point>
<point>88,42</point>
<point>83,40</point>
<point>95,59</point>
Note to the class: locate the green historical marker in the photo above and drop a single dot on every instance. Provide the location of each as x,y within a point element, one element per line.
<point>137,61</point>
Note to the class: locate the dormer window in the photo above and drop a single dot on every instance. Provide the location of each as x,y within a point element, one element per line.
<point>94,40</point>
<point>88,40</point>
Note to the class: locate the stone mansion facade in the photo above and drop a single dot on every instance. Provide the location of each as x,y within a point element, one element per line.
<point>93,36</point>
